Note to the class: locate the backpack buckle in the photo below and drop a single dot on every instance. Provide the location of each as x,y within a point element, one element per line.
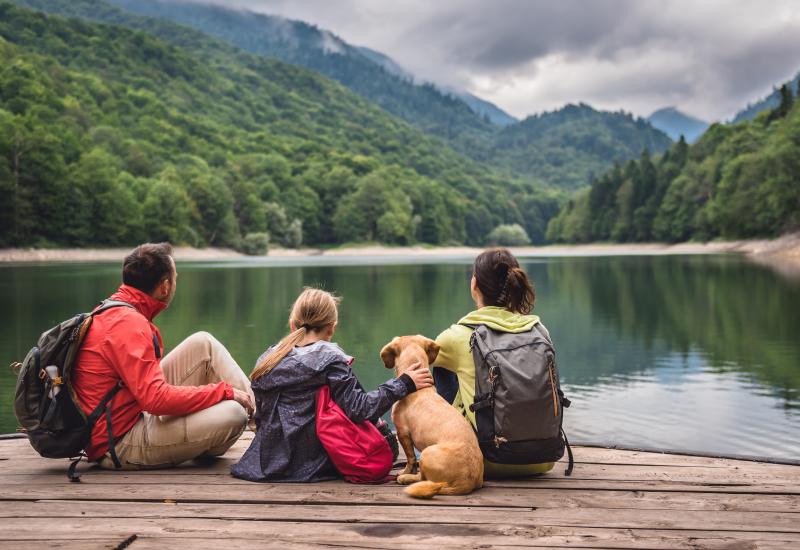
<point>482,403</point>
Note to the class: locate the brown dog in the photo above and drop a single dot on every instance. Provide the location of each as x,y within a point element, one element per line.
<point>450,462</point>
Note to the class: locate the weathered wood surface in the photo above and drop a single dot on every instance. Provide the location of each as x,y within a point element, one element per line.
<point>615,499</point>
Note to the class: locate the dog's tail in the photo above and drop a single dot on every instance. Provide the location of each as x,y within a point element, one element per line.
<point>425,489</point>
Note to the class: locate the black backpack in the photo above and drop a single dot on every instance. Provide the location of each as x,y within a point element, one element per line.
<point>45,402</point>
<point>519,405</point>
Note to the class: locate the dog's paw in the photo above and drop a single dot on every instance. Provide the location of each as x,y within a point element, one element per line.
<point>408,479</point>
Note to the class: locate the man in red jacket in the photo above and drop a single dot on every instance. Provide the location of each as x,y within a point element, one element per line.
<point>193,402</point>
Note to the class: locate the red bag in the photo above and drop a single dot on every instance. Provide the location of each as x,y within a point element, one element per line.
<point>359,451</point>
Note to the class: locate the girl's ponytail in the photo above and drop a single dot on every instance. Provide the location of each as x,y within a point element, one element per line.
<point>271,360</point>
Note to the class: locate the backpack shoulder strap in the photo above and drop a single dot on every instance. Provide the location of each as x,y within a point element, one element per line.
<point>109,304</point>
<point>86,322</point>
<point>544,332</point>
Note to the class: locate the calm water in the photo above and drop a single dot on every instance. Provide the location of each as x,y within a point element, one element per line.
<point>682,353</point>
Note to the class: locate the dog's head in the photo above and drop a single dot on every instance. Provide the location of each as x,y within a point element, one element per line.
<point>417,347</point>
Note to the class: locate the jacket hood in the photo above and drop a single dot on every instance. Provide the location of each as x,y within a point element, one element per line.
<point>301,364</point>
<point>500,319</point>
<point>320,354</point>
<point>143,302</point>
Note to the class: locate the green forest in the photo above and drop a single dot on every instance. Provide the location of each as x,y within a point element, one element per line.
<point>562,148</point>
<point>737,181</point>
<point>579,141</point>
<point>111,136</point>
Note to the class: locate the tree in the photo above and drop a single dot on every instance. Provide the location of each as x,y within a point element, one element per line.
<point>255,244</point>
<point>378,196</point>
<point>167,211</point>
<point>508,235</point>
<point>113,216</point>
<point>785,105</point>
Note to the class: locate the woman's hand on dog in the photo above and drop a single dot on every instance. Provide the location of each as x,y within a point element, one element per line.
<point>420,375</point>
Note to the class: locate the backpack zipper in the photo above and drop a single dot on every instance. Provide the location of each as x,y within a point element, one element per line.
<point>552,385</point>
<point>529,344</point>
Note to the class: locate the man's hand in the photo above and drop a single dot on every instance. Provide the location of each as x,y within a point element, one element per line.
<point>244,399</point>
<point>420,375</point>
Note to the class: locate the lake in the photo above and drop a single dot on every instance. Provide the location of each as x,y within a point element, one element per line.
<point>690,353</point>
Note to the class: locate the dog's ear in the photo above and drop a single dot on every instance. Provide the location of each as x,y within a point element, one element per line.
<point>389,353</point>
<point>432,349</point>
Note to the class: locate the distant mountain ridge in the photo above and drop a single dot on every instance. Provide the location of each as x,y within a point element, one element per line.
<point>739,181</point>
<point>675,124</point>
<point>574,144</point>
<point>769,102</point>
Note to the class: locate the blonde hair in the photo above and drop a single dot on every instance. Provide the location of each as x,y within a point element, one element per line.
<point>313,310</point>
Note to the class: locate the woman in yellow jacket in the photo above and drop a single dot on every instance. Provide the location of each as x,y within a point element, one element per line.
<point>504,298</point>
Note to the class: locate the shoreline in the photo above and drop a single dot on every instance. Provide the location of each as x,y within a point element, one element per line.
<point>784,250</point>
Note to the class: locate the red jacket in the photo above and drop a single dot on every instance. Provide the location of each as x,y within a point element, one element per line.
<point>119,346</point>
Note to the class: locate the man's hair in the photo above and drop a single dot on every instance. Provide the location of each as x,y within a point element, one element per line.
<point>147,265</point>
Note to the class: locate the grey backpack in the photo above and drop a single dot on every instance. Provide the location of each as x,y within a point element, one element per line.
<point>519,405</point>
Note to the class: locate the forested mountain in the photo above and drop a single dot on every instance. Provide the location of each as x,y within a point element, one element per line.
<point>769,102</point>
<point>737,181</point>
<point>569,146</point>
<point>675,124</point>
<point>111,136</point>
<point>548,159</point>
<point>370,74</point>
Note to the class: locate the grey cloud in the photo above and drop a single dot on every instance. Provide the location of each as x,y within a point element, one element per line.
<point>510,33</point>
<point>709,58</point>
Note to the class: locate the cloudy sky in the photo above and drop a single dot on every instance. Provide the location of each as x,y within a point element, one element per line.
<point>707,57</point>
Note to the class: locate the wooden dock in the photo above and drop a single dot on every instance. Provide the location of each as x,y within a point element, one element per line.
<point>615,499</point>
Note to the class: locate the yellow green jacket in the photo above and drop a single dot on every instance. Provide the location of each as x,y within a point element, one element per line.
<point>454,355</point>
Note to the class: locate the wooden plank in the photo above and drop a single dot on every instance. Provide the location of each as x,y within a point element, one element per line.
<point>396,535</point>
<point>603,455</point>
<point>594,539</point>
<point>753,474</point>
<point>334,493</point>
<point>101,543</point>
<point>789,475</point>
<point>627,518</point>
<point>504,496</point>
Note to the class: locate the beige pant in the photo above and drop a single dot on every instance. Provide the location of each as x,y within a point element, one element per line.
<point>164,441</point>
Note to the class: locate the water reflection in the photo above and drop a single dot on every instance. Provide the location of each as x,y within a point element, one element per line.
<point>695,353</point>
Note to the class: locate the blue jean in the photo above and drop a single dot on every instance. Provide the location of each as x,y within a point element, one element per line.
<point>446,383</point>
